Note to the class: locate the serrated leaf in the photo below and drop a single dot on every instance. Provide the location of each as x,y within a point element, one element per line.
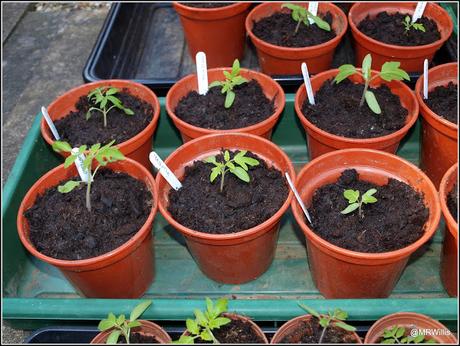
<point>372,102</point>
<point>113,337</point>
<point>94,147</point>
<point>400,332</point>
<point>69,160</point>
<point>387,333</point>
<point>114,100</point>
<point>219,322</point>
<point>345,326</point>
<point>229,99</point>
<point>391,71</point>
<point>200,318</point>
<point>185,340</point>
<point>205,336</point>
<point>61,146</point>
<point>105,325</point>
<point>366,66</point>
<point>112,91</point>
<point>103,103</point>
<point>240,161</point>
<point>192,326</point>
<point>235,67</point>
<point>340,314</point>
<point>139,310</point>
<point>214,84</point>
<point>226,155</point>
<point>209,304</point>
<point>121,319</point>
<point>238,80</point>
<point>221,305</point>
<point>250,161</point>
<point>68,186</point>
<point>350,208</point>
<point>351,195</point>
<point>227,75</point>
<point>210,159</point>
<point>215,172</point>
<point>310,310</point>
<point>388,341</point>
<point>324,322</point>
<point>241,174</point>
<point>419,26</point>
<point>344,72</point>
<point>134,324</point>
<point>230,165</point>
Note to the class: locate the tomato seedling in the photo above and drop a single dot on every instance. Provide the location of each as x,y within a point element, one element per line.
<point>408,25</point>
<point>301,15</point>
<point>356,203</point>
<point>397,335</point>
<point>106,99</point>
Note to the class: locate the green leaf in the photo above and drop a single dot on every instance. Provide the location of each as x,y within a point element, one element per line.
<point>114,100</point>
<point>227,155</point>
<point>185,340</point>
<point>235,67</point>
<point>388,341</point>
<point>351,195</point>
<point>94,147</point>
<point>230,165</point>
<point>103,103</point>
<point>344,72</point>
<point>200,318</point>
<point>227,75</point>
<point>391,71</point>
<point>310,310</point>
<point>387,333</point>
<point>366,67</point>
<point>192,326</point>
<point>69,186</point>
<point>250,161</point>
<point>111,317</point>
<point>206,336</point>
<point>400,332</point>
<point>345,326</point>
<point>320,23</point>
<point>241,174</point>
<point>214,84</point>
<point>210,159</point>
<point>111,91</point>
<point>419,26</point>
<point>240,161</point>
<point>209,304</point>
<point>238,80</point>
<point>324,322</point>
<point>105,325</point>
<point>340,314</point>
<point>292,7</point>
<point>128,111</point>
<point>372,102</point>
<point>139,310</point>
<point>368,196</point>
<point>113,337</point>
<point>407,19</point>
<point>134,324</point>
<point>219,322</point>
<point>229,99</point>
<point>121,319</point>
<point>221,305</point>
<point>69,160</point>
<point>350,208</point>
<point>61,146</point>
<point>215,172</point>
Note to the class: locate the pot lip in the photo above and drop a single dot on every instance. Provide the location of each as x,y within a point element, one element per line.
<point>361,35</point>
<point>46,133</point>
<point>145,323</point>
<point>230,236</point>
<point>424,106</point>
<point>452,171</point>
<point>209,10</point>
<point>309,233</point>
<point>411,116</point>
<point>266,44</point>
<point>103,257</point>
<point>249,128</point>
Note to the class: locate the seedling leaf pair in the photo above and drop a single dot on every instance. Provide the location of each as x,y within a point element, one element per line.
<point>397,335</point>
<point>355,203</point>
<point>409,25</point>
<point>232,79</point>
<point>106,99</point>
<point>301,15</point>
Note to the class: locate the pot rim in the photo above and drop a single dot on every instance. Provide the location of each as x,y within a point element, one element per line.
<point>207,10</point>
<point>145,324</point>
<point>230,236</point>
<point>452,171</point>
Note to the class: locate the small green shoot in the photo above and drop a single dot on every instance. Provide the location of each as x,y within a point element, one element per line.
<point>397,335</point>
<point>205,322</point>
<point>122,326</point>
<point>337,318</point>
<point>408,25</point>
<point>301,15</point>
<point>106,99</point>
<point>355,203</point>
<point>232,79</point>
<point>390,71</point>
<point>103,155</point>
<point>237,166</point>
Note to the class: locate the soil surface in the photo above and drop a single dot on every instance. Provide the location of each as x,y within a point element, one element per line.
<point>279,29</point>
<point>337,111</point>
<point>389,28</point>
<point>310,333</point>
<point>207,4</point>
<point>75,129</point>
<point>396,220</point>
<point>139,338</point>
<point>443,101</point>
<point>61,226</point>
<point>250,107</point>
<point>199,204</point>
<point>452,202</point>
<point>235,332</point>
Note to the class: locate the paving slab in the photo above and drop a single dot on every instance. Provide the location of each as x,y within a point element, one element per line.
<point>12,13</point>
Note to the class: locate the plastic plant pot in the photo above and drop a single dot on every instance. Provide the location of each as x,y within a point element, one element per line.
<point>342,273</point>
<point>236,257</point>
<point>411,57</point>
<point>137,147</point>
<point>264,128</point>
<point>147,327</point>
<point>320,142</point>
<point>278,60</point>
<point>125,272</point>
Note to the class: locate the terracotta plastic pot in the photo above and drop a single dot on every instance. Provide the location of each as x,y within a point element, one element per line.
<point>439,136</point>
<point>237,257</point>
<point>342,273</point>
<point>320,142</point>
<point>264,128</point>
<point>296,323</point>
<point>449,258</point>
<point>219,32</point>
<point>147,328</point>
<point>411,57</point>
<point>278,60</point>
<point>411,321</point>
<point>137,147</point>
<point>125,272</point>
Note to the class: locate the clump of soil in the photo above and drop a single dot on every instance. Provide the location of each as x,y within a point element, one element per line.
<point>396,220</point>
<point>61,227</point>
<point>309,332</point>
<point>199,204</point>
<point>207,4</point>
<point>250,107</point>
<point>337,111</point>
<point>452,202</point>
<point>139,338</point>
<point>235,332</point>
<point>279,29</point>
<point>443,101</point>
<point>75,129</point>
<point>389,28</point>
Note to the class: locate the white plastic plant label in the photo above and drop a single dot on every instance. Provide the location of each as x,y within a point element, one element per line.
<point>159,164</point>
<point>84,175</point>
<point>201,73</point>
<point>297,196</point>
<point>50,124</point>
<point>425,79</point>
<point>313,9</point>
<point>306,79</point>
<point>419,9</point>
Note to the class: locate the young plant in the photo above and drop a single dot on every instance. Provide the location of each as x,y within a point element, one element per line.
<point>103,155</point>
<point>106,99</point>
<point>396,335</point>
<point>354,202</point>
<point>120,325</point>
<point>408,25</point>
<point>390,71</point>
<point>301,15</point>
<point>205,322</point>
<point>337,317</point>
<point>237,166</point>
<point>232,79</point>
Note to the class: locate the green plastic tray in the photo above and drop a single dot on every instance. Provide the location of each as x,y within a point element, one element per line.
<point>34,291</point>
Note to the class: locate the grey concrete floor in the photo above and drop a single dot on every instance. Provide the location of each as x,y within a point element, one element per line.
<point>45,47</point>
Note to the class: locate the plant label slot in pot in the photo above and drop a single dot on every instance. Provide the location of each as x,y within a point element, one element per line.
<point>338,271</point>
<point>439,120</point>
<point>232,239</point>
<point>448,194</point>
<point>130,114</point>
<point>253,104</point>
<point>395,39</point>
<point>53,226</point>
<point>213,28</point>
<point>269,23</point>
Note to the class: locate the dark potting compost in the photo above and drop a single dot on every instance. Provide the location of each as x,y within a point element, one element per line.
<point>139,338</point>
<point>396,220</point>
<point>443,101</point>
<point>390,29</point>
<point>61,226</point>
<point>337,111</point>
<point>75,129</point>
<point>250,107</point>
<point>235,332</point>
<point>309,332</point>
<point>279,29</point>
<point>452,202</point>
<point>207,4</point>
<point>199,204</point>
